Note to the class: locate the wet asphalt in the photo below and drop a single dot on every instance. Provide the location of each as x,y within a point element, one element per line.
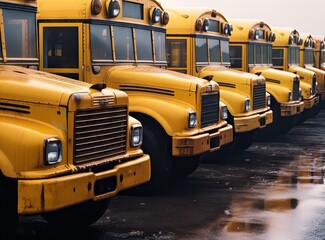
<point>274,190</point>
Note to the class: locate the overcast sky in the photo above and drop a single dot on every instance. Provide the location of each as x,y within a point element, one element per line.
<point>291,13</point>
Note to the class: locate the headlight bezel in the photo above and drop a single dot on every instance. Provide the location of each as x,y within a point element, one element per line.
<point>247,105</point>
<point>136,132</point>
<point>192,119</point>
<point>52,151</point>
<point>224,112</point>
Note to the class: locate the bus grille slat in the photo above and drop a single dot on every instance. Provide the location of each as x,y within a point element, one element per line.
<point>210,109</point>
<point>99,134</point>
<point>259,97</point>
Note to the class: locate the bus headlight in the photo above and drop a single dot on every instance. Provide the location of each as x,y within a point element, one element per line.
<point>155,14</point>
<point>247,104</point>
<point>192,121</point>
<point>113,8</point>
<point>289,96</point>
<point>224,112</point>
<point>165,18</point>
<point>136,135</point>
<point>53,151</point>
<point>268,97</point>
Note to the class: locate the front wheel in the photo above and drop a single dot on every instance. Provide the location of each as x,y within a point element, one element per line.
<point>80,215</point>
<point>184,166</point>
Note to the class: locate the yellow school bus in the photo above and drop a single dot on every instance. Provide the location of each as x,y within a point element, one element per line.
<point>198,44</point>
<point>286,57</point>
<point>251,51</point>
<point>319,51</point>
<point>123,44</point>
<point>66,147</point>
<point>307,60</point>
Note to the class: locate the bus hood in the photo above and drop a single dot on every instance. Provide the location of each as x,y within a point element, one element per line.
<point>304,73</point>
<point>222,74</point>
<point>272,74</point>
<point>27,85</point>
<point>154,77</point>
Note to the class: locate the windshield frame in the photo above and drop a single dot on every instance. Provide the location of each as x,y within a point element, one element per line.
<point>157,44</point>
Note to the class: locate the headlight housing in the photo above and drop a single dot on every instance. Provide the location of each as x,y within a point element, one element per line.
<point>224,112</point>
<point>289,95</point>
<point>53,151</point>
<point>136,135</point>
<point>113,8</point>
<point>192,121</point>
<point>247,104</point>
<point>155,14</point>
<point>268,97</point>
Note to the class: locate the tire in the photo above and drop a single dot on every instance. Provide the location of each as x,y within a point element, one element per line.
<point>8,208</point>
<point>243,141</point>
<point>80,215</point>
<point>157,144</point>
<point>279,126</point>
<point>184,166</point>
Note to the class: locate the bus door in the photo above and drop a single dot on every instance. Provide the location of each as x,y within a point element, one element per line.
<point>62,49</point>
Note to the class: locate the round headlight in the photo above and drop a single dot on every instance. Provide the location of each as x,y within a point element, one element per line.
<point>155,14</point>
<point>231,29</point>
<point>113,8</point>
<point>96,6</point>
<point>300,41</point>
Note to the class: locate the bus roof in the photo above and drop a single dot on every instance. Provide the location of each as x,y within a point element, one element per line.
<point>283,35</point>
<point>242,28</point>
<point>185,18</point>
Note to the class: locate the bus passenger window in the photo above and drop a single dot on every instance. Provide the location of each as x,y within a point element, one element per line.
<point>177,53</point>
<point>278,57</point>
<point>201,51</point>
<point>235,54</point>
<point>60,47</point>
<point>160,46</point>
<point>20,35</point>
<point>101,46</point>
<point>123,42</point>
<point>214,47</point>
<point>144,45</point>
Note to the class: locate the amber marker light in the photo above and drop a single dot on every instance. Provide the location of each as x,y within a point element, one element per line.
<point>96,6</point>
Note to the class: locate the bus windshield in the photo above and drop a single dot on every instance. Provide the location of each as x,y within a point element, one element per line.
<point>293,55</point>
<point>130,44</point>
<point>309,56</point>
<point>212,51</point>
<point>20,34</point>
<point>259,54</point>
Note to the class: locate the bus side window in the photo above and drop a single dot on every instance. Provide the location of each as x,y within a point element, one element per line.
<point>176,50</point>
<point>278,58</point>
<point>235,54</point>
<point>60,47</point>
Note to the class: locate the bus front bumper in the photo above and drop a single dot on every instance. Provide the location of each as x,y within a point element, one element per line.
<point>43,195</point>
<point>198,144</point>
<point>292,109</point>
<point>250,123</point>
